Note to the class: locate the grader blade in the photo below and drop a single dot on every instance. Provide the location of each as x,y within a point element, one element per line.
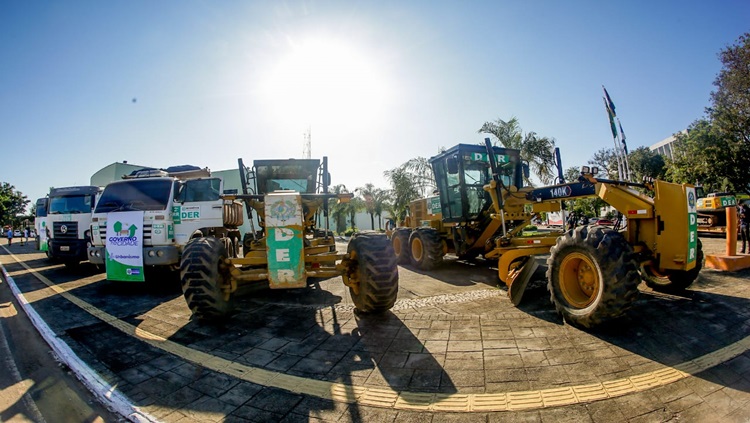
<point>519,279</point>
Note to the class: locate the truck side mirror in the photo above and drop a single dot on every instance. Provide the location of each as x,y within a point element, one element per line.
<point>327,179</point>
<point>452,165</point>
<point>525,168</point>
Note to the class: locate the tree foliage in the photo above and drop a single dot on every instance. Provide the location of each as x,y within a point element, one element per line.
<point>606,160</point>
<point>421,174</point>
<point>538,151</point>
<point>367,193</point>
<point>352,207</point>
<point>730,109</point>
<point>707,156</point>
<point>375,201</point>
<point>646,163</point>
<point>716,150</point>
<point>339,211</point>
<point>12,203</point>
<point>403,191</point>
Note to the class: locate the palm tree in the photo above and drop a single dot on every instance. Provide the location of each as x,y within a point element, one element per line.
<point>368,194</point>
<point>381,204</point>
<point>339,210</point>
<point>352,207</point>
<point>421,174</point>
<point>403,191</point>
<point>535,150</point>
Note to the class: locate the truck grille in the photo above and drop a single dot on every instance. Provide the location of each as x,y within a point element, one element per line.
<point>65,230</point>
<point>146,233</point>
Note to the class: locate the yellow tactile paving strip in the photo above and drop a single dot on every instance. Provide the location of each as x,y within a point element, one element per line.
<point>388,398</point>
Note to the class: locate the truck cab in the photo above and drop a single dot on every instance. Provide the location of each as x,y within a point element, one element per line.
<point>68,222</point>
<point>176,205</point>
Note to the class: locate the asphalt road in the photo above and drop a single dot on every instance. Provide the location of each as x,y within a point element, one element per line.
<point>34,386</point>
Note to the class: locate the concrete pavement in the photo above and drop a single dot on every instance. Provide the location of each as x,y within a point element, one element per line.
<point>457,353</point>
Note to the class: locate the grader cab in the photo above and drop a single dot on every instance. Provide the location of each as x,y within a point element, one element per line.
<point>287,198</point>
<point>592,271</point>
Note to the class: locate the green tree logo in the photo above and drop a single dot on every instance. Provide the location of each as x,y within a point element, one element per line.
<point>129,231</point>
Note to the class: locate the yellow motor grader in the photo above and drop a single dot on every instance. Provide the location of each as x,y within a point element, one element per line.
<point>287,248</point>
<point>593,272</point>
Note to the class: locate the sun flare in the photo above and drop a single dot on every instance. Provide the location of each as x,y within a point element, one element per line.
<point>325,81</point>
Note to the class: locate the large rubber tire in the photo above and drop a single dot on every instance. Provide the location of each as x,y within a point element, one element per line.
<point>592,275</point>
<point>376,272</point>
<point>202,273</point>
<point>426,248</point>
<point>400,243</point>
<point>676,280</point>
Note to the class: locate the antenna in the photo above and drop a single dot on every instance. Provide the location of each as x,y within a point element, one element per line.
<point>306,150</point>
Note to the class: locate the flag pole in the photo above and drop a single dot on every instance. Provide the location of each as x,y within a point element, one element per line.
<point>625,150</point>
<point>614,139</point>
<point>621,149</point>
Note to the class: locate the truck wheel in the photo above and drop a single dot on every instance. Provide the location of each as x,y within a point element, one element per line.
<point>400,243</point>
<point>203,274</point>
<point>674,280</point>
<point>375,272</point>
<point>592,275</point>
<point>426,248</point>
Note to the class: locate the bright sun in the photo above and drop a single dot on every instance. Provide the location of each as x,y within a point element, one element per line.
<point>325,81</point>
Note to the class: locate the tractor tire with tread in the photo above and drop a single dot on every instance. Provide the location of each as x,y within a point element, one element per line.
<point>400,244</point>
<point>426,248</point>
<point>376,272</point>
<point>674,281</point>
<point>592,275</point>
<point>201,277</point>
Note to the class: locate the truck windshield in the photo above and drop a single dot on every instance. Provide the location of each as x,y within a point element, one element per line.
<point>41,208</point>
<point>297,175</point>
<point>70,204</point>
<point>136,194</point>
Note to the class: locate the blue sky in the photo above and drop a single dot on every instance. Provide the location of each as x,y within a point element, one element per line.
<point>86,83</point>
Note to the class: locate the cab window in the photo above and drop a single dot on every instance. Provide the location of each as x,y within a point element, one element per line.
<point>199,190</point>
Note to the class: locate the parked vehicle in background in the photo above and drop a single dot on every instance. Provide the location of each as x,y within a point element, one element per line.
<point>40,224</point>
<point>601,221</point>
<point>17,234</point>
<point>68,222</point>
<point>712,215</point>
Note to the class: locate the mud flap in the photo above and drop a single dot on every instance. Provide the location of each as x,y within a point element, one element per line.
<point>519,279</point>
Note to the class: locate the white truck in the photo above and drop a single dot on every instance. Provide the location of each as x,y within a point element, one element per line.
<point>68,222</point>
<point>148,217</point>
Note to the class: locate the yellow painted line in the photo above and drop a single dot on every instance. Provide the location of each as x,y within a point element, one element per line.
<point>389,398</point>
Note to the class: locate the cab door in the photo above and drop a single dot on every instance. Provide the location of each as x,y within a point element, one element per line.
<point>197,205</point>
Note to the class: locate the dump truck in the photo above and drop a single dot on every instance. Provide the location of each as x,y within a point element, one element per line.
<point>593,272</point>
<point>286,199</point>
<point>146,219</point>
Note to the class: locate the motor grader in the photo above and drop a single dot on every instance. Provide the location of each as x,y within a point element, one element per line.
<point>593,272</point>
<point>287,197</point>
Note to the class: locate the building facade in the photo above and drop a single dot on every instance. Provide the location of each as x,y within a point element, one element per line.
<point>665,147</point>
